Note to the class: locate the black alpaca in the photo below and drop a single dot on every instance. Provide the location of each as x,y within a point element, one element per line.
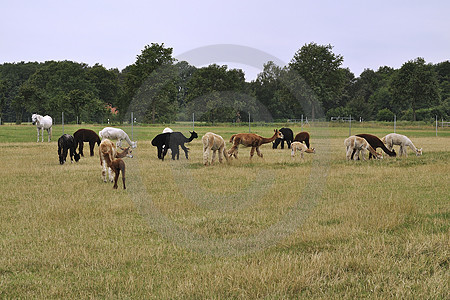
<point>178,139</point>
<point>161,142</point>
<point>375,143</point>
<point>86,135</point>
<point>302,137</point>
<point>66,142</point>
<point>288,136</point>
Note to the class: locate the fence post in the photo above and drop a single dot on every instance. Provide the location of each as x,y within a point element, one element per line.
<point>395,122</point>
<point>301,128</point>
<point>350,126</point>
<point>132,121</point>
<point>193,121</point>
<point>436,125</point>
<point>62,121</point>
<point>249,123</point>
<point>442,122</point>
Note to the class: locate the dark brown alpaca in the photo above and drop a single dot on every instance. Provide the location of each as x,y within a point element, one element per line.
<point>251,140</point>
<point>302,137</point>
<point>86,135</point>
<point>375,143</point>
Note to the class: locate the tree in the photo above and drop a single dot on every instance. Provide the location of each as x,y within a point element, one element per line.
<point>415,85</point>
<point>320,68</point>
<point>141,75</point>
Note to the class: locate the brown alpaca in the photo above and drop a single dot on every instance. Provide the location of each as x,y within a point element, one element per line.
<point>302,137</point>
<point>111,159</point>
<point>251,140</point>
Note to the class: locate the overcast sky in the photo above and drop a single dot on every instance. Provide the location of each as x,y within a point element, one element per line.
<point>368,34</point>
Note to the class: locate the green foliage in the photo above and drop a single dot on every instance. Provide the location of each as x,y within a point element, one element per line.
<point>385,115</point>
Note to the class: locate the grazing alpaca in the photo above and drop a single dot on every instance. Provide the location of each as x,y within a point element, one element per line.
<point>178,139</point>
<point>375,143</point>
<point>116,134</point>
<point>41,124</point>
<point>302,137</point>
<point>288,136</point>
<point>108,154</point>
<point>86,135</point>
<point>297,146</point>
<point>360,144</point>
<point>403,141</point>
<point>214,142</point>
<point>66,142</point>
<point>251,140</point>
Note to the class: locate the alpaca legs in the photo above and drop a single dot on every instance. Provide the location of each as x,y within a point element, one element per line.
<point>213,159</point>
<point>258,152</point>
<point>206,151</point>
<point>252,152</point>
<point>80,147</point>
<point>91,148</point>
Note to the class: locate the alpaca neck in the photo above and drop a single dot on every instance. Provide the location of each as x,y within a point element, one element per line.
<point>269,140</point>
<point>122,154</point>
<point>411,145</point>
<point>374,153</point>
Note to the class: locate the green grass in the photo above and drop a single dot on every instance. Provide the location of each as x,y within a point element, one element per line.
<point>274,228</point>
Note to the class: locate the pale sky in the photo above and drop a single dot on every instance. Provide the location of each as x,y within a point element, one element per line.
<point>368,34</point>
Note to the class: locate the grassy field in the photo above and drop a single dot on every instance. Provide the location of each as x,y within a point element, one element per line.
<point>275,228</point>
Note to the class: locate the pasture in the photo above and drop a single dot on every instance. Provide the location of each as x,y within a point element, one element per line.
<point>275,227</point>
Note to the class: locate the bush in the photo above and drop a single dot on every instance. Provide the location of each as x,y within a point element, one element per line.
<point>385,115</point>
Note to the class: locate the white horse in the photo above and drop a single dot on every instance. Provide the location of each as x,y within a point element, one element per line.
<point>116,134</point>
<point>41,124</point>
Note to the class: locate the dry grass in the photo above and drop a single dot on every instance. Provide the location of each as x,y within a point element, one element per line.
<point>269,228</point>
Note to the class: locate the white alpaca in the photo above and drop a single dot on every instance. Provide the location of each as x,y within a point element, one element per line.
<point>214,142</point>
<point>116,134</point>
<point>41,124</point>
<point>167,130</point>
<point>359,144</point>
<point>403,141</point>
<point>297,146</point>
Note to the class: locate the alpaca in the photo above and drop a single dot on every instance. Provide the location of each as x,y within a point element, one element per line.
<point>178,139</point>
<point>360,144</point>
<point>108,154</point>
<point>302,137</point>
<point>297,146</point>
<point>86,135</point>
<point>288,136</point>
<point>251,140</point>
<point>41,124</point>
<point>66,142</point>
<point>116,134</point>
<point>375,143</point>
<point>214,142</point>
<point>161,142</point>
<point>403,141</point>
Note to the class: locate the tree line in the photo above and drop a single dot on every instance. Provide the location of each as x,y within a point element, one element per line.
<point>160,89</point>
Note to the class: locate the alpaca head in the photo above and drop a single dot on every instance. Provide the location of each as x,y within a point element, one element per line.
<point>394,154</point>
<point>312,150</point>
<point>278,133</point>
<point>127,151</point>
<point>419,152</point>
<point>194,134</point>
<point>76,156</point>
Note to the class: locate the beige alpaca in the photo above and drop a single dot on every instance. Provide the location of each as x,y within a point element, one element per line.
<point>108,153</point>
<point>214,142</point>
<point>297,146</point>
<point>359,144</point>
<point>403,141</point>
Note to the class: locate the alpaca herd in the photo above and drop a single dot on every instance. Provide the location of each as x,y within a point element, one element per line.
<point>111,160</point>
